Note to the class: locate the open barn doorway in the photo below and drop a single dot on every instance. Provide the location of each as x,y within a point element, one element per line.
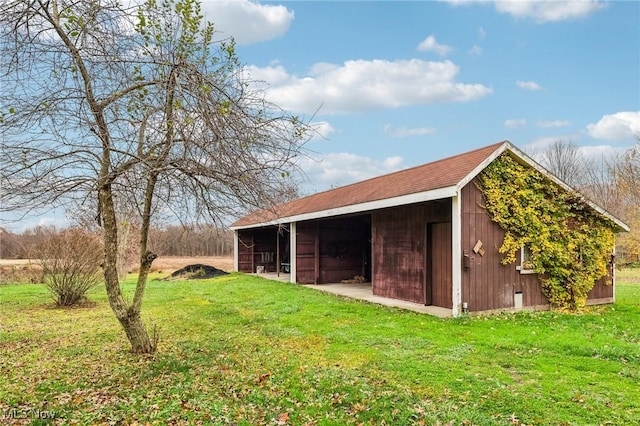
<point>265,250</point>
<point>334,250</point>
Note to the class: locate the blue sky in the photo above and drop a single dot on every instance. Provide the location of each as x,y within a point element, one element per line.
<point>396,84</point>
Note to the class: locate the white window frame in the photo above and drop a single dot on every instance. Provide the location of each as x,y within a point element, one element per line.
<point>522,267</point>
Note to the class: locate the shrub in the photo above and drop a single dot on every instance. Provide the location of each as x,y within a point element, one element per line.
<point>70,261</point>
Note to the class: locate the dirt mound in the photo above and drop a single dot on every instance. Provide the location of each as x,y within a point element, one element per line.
<point>198,271</point>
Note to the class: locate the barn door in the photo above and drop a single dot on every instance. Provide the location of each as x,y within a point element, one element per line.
<point>439,272</point>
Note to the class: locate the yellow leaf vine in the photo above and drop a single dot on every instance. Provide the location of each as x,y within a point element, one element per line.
<point>570,243</point>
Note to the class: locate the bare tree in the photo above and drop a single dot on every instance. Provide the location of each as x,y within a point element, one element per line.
<point>204,240</point>
<point>564,159</point>
<point>627,175</point>
<point>599,183</point>
<point>139,107</point>
<point>9,245</point>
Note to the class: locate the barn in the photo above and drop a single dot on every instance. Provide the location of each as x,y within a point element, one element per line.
<point>420,235</point>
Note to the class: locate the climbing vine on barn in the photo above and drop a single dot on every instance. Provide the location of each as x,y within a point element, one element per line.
<point>570,244</point>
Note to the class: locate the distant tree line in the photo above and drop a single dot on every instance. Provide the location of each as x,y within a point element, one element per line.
<point>171,240</point>
<point>200,241</point>
<point>611,182</point>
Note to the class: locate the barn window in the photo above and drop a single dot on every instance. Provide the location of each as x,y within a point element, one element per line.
<point>526,264</point>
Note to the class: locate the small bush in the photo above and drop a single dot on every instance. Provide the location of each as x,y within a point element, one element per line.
<point>70,261</point>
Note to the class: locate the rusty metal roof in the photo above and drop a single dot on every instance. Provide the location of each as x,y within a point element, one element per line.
<point>444,173</point>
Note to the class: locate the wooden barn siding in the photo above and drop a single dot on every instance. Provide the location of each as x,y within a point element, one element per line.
<point>487,284</point>
<point>257,247</point>
<point>399,253</point>
<point>245,251</point>
<point>306,237</point>
<point>439,265</point>
<point>603,288</point>
<point>332,250</point>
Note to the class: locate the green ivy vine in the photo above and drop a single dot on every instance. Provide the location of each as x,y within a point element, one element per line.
<point>570,243</point>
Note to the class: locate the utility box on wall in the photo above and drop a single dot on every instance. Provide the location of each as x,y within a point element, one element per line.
<point>517,300</point>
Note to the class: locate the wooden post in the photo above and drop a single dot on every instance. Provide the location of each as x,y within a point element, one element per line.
<point>316,256</point>
<point>456,254</point>
<point>278,250</point>
<point>236,253</point>
<point>253,260</point>
<point>292,252</point>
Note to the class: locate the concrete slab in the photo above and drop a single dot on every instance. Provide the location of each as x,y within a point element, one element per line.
<point>364,291</point>
<point>274,276</point>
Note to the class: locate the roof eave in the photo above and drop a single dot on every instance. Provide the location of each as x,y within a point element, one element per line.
<point>434,194</point>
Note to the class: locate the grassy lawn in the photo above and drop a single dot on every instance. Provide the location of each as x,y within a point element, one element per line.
<point>247,351</point>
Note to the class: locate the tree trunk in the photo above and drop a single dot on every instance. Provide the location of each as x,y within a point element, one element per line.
<point>129,317</point>
<point>137,333</point>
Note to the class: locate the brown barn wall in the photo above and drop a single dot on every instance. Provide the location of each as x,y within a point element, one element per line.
<point>439,264</point>
<point>245,250</point>
<point>306,235</point>
<point>486,283</point>
<point>400,253</point>
<point>603,289</point>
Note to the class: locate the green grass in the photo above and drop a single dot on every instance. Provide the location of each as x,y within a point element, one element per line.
<point>247,351</point>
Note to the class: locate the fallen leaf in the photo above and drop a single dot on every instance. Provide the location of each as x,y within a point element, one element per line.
<point>283,418</point>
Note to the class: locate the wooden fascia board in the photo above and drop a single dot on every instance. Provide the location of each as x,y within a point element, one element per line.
<point>418,197</point>
<point>480,167</point>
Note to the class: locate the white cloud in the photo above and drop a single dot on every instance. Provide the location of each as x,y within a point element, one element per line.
<point>528,85</point>
<point>536,146</point>
<point>430,44</point>
<point>52,221</point>
<point>475,50</point>
<point>342,168</point>
<point>321,129</point>
<point>553,123</point>
<point>322,68</point>
<point>601,152</point>
<point>481,33</point>
<point>515,123</point>
<point>618,126</point>
<point>596,153</point>
<point>361,85</point>
<point>247,21</point>
<point>541,11</point>
<point>403,132</point>
<point>30,222</point>
<point>549,10</point>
